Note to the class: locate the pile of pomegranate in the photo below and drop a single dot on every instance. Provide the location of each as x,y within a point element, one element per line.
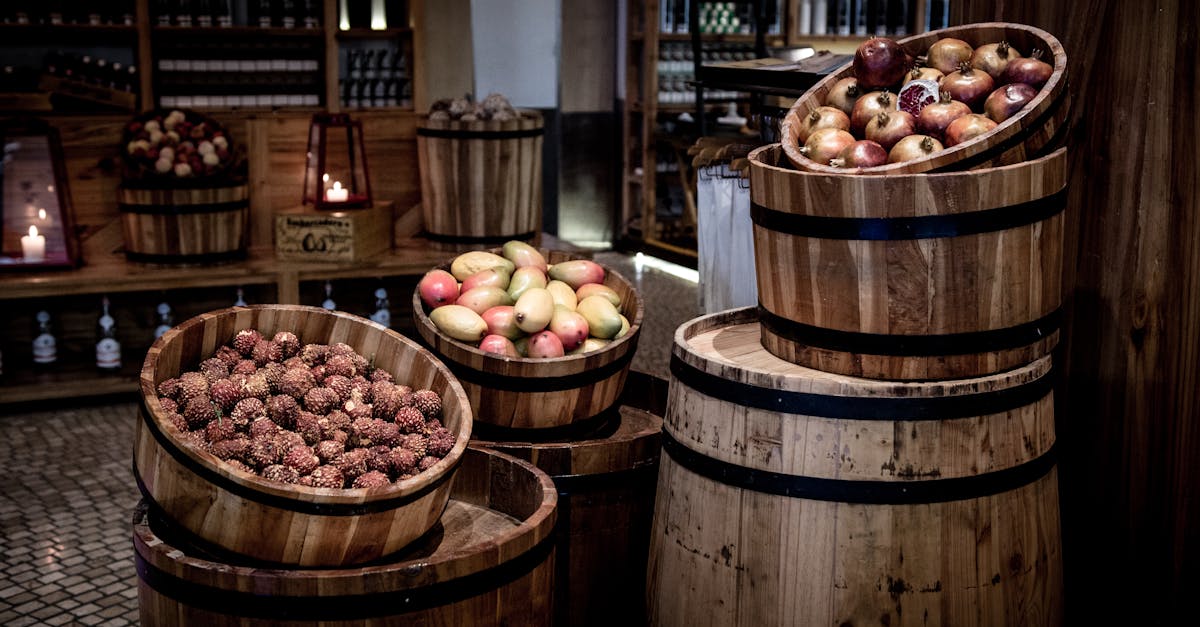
<point>898,108</point>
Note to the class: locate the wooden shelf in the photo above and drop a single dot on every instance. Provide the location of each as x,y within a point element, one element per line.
<point>244,32</point>
<point>67,380</point>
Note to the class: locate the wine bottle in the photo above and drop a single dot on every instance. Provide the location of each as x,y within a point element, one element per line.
<point>328,303</point>
<point>311,11</point>
<point>204,13</point>
<point>162,12</point>
<point>264,13</point>
<point>45,345</point>
<point>166,319</point>
<point>183,13</point>
<point>383,314</point>
<point>287,13</point>
<point>108,349</point>
<point>241,298</point>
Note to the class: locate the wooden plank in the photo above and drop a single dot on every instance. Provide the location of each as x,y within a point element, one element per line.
<point>586,70</point>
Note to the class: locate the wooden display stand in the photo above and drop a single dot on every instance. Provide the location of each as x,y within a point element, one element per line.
<point>306,234</point>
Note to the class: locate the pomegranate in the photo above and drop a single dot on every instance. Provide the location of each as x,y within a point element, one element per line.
<point>913,147</point>
<point>819,118</point>
<point>867,107</point>
<point>969,86</point>
<point>1031,70</point>
<point>863,153</point>
<point>923,73</point>
<point>825,144</point>
<point>968,127</point>
<point>843,94</point>
<point>889,127</point>
<point>879,62</point>
<point>945,55</point>
<point>934,118</point>
<point>1008,100</point>
<point>993,58</point>
<point>916,95</point>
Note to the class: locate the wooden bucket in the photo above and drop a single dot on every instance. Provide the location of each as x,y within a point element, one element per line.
<point>186,225</point>
<point>605,502</point>
<point>487,561</point>
<point>1037,130</point>
<point>910,276</point>
<point>481,181</point>
<point>245,514</point>
<point>789,496</point>
<point>566,393</point>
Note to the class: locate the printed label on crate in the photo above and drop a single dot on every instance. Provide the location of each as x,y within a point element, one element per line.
<point>314,235</point>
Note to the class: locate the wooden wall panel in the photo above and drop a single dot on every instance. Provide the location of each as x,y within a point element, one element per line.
<point>1129,411</point>
<point>275,145</point>
<point>588,65</point>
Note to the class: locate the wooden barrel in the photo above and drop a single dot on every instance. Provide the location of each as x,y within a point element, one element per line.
<point>1037,129</point>
<point>566,393</point>
<point>243,513</point>
<point>481,181</point>
<point>909,276</point>
<point>488,561</point>
<point>789,496</point>
<point>605,502</point>
<point>186,225</point>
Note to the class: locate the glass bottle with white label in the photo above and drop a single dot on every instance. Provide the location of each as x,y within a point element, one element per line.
<point>45,345</point>
<point>383,314</point>
<point>108,348</point>
<point>166,319</point>
<point>329,304</point>
<point>241,298</point>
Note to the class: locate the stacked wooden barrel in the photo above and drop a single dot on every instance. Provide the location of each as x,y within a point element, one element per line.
<point>874,443</point>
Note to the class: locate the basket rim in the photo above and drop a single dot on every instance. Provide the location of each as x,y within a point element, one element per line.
<point>328,496</point>
<point>425,324</point>
<point>1055,87</point>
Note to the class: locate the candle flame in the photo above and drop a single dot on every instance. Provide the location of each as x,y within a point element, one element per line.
<point>41,214</point>
<point>337,184</point>
<point>325,177</point>
<point>32,231</point>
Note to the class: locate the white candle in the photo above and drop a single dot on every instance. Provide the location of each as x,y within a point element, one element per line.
<point>33,246</point>
<point>337,193</point>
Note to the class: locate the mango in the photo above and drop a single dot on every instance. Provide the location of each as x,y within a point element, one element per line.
<point>525,278</point>
<point>438,288</point>
<point>545,344</point>
<point>589,345</point>
<point>459,323</point>
<point>499,345</point>
<point>484,298</point>
<point>563,294</point>
<point>597,289</point>
<point>577,272</point>
<point>604,321</point>
<point>502,320</point>
<point>469,263</point>
<point>624,328</point>
<point>492,277</point>
<point>523,255</point>
<point>522,345</point>
<point>534,309</point>
<point>569,326</point>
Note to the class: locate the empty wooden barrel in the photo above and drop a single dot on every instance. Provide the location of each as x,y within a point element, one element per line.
<point>277,522</point>
<point>606,488</point>
<point>481,181</point>
<point>488,561</point>
<point>566,393</point>
<point>789,496</point>
<point>909,276</point>
<point>1038,128</point>
<point>184,225</point>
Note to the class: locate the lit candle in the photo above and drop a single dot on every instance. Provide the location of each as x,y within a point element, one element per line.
<point>337,193</point>
<point>33,246</point>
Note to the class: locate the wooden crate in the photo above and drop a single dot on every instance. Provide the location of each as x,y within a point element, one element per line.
<point>305,234</point>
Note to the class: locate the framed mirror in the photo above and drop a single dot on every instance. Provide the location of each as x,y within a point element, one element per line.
<point>35,201</point>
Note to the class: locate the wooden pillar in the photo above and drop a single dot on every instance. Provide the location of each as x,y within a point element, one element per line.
<point>1129,417</point>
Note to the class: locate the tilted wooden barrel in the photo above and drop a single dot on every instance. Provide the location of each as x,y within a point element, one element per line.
<point>1037,129</point>
<point>481,181</point>
<point>489,560</point>
<point>606,488</point>
<point>522,393</point>
<point>243,513</point>
<point>789,496</point>
<point>909,276</point>
<point>184,225</point>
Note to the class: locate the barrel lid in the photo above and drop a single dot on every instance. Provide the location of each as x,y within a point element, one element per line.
<point>727,345</point>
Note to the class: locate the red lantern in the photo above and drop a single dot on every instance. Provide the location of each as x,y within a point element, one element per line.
<point>335,171</point>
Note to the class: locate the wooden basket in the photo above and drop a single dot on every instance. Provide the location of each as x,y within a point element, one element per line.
<point>289,524</point>
<point>1039,127</point>
<point>481,181</point>
<point>523,393</point>
<point>790,496</point>
<point>184,225</point>
<point>910,276</point>
<point>489,560</point>
<point>605,485</point>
